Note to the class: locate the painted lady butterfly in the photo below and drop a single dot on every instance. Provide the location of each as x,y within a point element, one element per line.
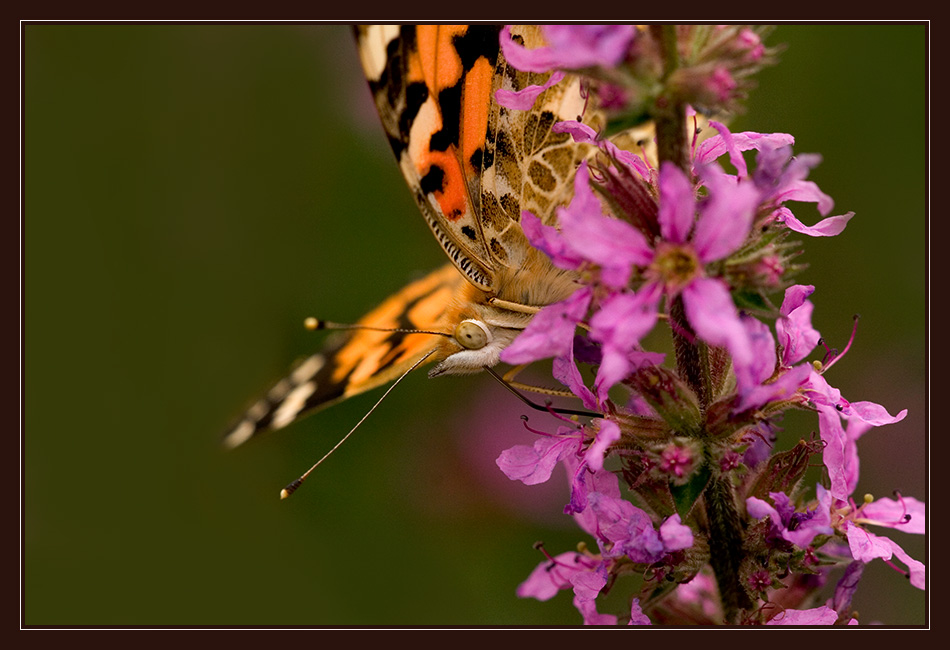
<point>472,166</point>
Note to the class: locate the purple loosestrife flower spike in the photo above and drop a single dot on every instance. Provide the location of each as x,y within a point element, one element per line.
<point>678,476</point>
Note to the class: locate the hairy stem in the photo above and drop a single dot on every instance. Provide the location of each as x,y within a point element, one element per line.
<point>692,356</point>
<point>725,546</point>
<point>670,110</point>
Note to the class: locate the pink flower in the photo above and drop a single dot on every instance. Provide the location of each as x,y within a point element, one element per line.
<point>555,574</point>
<point>551,331</point>
<point>866,546</point>
<point>571,47</point>
<point>637,617</point>
<point>817,616</point>
<point>841,459</point>
<point>778,174</point>
<point>796,336</point>
<point>533,465</point>
<point>799,528</point>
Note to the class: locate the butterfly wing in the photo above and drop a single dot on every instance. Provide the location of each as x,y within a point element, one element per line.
<point>472,164</point>
<point>356,362</point>
<point>528,166</point>
<point>432,88</point>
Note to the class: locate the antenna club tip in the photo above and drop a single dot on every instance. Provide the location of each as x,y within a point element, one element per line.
<point>291,488</point>
<point>312,323</point>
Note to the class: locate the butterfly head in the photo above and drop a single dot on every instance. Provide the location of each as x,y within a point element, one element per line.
<point>474,344</point>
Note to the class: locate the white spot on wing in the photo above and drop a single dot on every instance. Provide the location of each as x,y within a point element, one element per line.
<point>257,411</point>
<point>427,122</point>
<point>307,369</point>
<point>373,47</point>
<point>294,403</point>
<point>240,434</point>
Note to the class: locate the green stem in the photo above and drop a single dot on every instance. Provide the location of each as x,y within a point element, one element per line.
<point>692,356</point>
<point>671,134</point>
<point>725,546</point>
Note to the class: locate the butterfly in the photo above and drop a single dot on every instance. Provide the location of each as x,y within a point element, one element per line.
<point>472,166</point>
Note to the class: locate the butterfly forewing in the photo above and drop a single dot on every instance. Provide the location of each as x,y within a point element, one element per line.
<point>436,77</point>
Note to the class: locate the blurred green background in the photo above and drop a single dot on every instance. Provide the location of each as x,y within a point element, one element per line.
<point>193,192</point>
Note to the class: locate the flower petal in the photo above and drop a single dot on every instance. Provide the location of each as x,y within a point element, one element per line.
<point>524,99</point>
<point>551,331</point>
<point>892,513</point>
<point>847,585</point>
<point>675,535</point>
<point>818,616</point>
<point>714,147</point>
<point>549,576</point>
<point>607,434</point>
<point>677,203</point>
<point>714,318</point>
<point>565,370</point>
<point>637,617</point>
<point>612,244</point>
<point>548,240</point>
<point>874,414</point>
<point>825,228</point>
<point>795,332</point>
<point>539,59</point>
<point>585,46</point>
<point>725,215</point>
<point>533,465</point>
<point>835,456</point>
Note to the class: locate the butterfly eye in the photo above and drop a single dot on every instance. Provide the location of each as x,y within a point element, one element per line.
<point>472,334</point>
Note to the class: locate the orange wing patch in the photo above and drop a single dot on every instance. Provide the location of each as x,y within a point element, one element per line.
<point>434,97</point>
<point>420,305</point>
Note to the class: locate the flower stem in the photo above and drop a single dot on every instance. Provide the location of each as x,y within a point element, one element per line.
<point>725,546</point>
<point>670,109</point>
<point>692,356</point>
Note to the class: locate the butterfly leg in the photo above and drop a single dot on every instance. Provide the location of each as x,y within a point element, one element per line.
<point>509,376</point>
<point>546,407</point>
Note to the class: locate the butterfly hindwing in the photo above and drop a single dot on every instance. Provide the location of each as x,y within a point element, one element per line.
<point>527,165</point>
<point>357,361</point>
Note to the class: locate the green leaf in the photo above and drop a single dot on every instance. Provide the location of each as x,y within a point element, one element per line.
<point>750,301</point>
<point>685,496</point>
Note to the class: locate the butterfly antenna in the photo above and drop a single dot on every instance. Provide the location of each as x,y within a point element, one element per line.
<point>314,324</point>
<point>292,487</point>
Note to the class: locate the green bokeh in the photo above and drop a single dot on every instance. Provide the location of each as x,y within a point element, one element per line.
<point>193,192</point>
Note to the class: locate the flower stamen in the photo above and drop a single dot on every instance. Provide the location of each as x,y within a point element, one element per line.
<point>835,356</point>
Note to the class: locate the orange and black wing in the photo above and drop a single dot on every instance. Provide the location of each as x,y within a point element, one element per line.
<point>359,360</point>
